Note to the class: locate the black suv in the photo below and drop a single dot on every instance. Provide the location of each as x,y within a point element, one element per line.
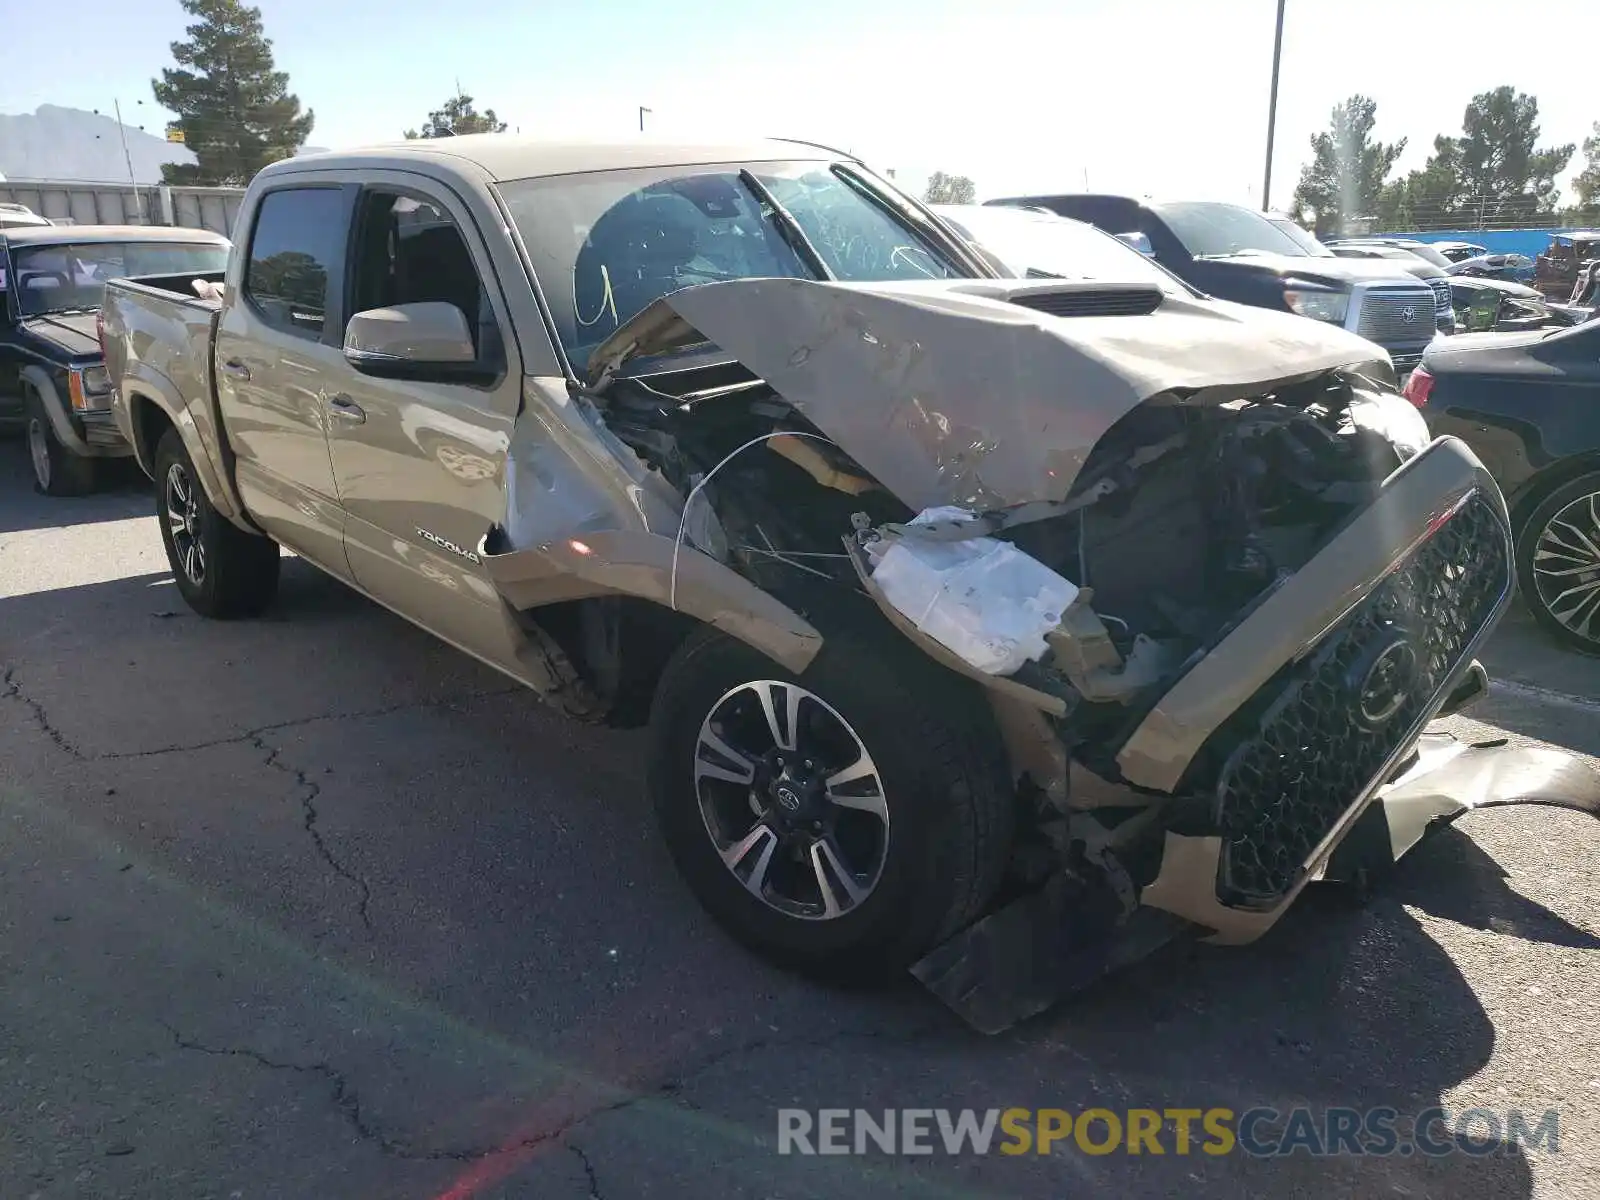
<point>1235,253</point>
<point>52,379</point>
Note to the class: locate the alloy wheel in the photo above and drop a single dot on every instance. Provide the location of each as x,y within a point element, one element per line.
<point>39,452</point>
<point>792,800</point>
<point>1566,567</point>
<point>182,502</point>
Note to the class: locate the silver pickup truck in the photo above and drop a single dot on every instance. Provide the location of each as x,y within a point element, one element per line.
<point>998,629</point>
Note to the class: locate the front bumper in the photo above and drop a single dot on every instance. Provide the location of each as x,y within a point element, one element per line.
<point>1288,737</point>
<point>101,434</point>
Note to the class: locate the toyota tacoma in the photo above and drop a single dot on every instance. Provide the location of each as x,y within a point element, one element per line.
<point>997,629</point>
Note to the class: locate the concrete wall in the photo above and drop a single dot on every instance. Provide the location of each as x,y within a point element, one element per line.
<point>215,209</point>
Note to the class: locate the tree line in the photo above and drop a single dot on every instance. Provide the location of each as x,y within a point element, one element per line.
<point>235,112</point>
<point>1494,172</point>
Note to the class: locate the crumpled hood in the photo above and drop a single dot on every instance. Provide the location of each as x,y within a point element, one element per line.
<point>954,392</point>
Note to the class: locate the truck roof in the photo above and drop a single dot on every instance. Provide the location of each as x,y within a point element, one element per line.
<point>48,235</point>
<point>507,156</point>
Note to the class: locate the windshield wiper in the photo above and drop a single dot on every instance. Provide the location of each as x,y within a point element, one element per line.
<point>788,228</point>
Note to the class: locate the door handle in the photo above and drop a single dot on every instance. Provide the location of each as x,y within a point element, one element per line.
<point>234,369</point>
<point>346,409</point>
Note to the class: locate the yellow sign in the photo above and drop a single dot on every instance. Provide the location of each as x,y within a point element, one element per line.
<point>175,135</point>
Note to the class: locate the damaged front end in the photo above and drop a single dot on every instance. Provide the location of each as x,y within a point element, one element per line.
<point>1204,560</point>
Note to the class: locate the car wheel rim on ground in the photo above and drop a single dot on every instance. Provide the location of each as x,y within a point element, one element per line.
<point>1566,567</point>
<point>792,800</point>
<point>183,523</point>
<point>39,451</point>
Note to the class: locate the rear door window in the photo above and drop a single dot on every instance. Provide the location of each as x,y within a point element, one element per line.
<point>298,241</point>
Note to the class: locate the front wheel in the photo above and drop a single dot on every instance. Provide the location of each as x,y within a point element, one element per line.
<point>1558,563</point>
<point>57,471</point>
<point>841,822</point>
<point>222,571</point>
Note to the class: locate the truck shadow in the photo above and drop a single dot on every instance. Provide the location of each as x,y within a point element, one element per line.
<point>124,492</point>
<point>510,884</point>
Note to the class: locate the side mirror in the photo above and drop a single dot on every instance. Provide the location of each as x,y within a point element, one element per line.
<point>426,341</point>
<point>1139,241</point>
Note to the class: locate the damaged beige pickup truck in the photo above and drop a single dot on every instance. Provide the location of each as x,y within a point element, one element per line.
<point>997,629</point>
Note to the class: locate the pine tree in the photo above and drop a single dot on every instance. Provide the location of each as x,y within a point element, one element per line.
<point>457,118</point>
<point>235,111</point>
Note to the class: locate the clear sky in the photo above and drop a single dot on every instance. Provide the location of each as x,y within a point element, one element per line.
<point>1160,96</point>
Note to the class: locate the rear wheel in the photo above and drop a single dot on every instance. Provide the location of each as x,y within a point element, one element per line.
<point>57,471</point>
<point>1558,563</point>
<point>221,570</point>
<point>841,822</point>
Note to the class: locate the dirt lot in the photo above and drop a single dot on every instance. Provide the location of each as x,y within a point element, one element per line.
<point>315,907</point>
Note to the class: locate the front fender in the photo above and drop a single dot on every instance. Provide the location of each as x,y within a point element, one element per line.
<point>637,563</point>
<point>39,379</point>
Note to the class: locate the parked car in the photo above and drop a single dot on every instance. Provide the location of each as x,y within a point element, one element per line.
<point>699,437</point>
<point>1236,253</point>
<point>1517,268</point>
<point>1529,406</point>
<point>52,378</point>
<point>1037,244</point>
<point>1423,250</point>
<point>1478,303</point>
<point>20,216</point>
<point>1556,271</point>
<point>1456,251</point>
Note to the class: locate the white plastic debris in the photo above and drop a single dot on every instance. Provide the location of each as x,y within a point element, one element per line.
<point>982,599</point>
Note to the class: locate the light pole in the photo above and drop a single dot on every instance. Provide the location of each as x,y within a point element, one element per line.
<point>1272,111</point>
<point>642,111</point>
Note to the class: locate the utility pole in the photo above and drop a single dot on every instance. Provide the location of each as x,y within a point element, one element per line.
<point>128,158</point>
<point>642,111</point>
<point>1272,111</point>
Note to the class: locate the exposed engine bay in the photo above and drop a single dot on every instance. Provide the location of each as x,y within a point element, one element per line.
<point>1181,519</point>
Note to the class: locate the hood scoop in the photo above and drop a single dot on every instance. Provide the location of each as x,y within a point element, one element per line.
<point>1096,302</point>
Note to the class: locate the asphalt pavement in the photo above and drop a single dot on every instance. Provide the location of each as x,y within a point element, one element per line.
<point>314,906</point>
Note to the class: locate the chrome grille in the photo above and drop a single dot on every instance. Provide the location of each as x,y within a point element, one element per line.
<point>1313,741</point>
<point>1398,315</point>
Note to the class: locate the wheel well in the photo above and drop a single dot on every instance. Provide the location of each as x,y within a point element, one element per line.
<point>1533,492</point>
<point>150,421</point>
<point>619,645</point>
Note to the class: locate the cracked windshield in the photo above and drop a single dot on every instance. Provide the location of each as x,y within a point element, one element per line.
<point>625,603</point>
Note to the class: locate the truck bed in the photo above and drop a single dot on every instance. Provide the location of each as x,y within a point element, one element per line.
<point>158,339</point>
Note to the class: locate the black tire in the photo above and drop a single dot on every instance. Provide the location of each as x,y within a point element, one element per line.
<point>57,471</point>
<point>237,573</point>
<point>950,805</point>
<point>1570,512</point>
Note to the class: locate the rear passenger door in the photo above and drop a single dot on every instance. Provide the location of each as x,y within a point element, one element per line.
<point>420,462</point>
<point>278,342</point>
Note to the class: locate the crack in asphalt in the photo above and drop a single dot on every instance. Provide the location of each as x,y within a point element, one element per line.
<point>347,1100</point>
<point>588,1170</point>
<point>13,691</point>
<point>309,791</point>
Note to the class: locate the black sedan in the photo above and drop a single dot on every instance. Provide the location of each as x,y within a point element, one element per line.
<point>1529,406</point>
